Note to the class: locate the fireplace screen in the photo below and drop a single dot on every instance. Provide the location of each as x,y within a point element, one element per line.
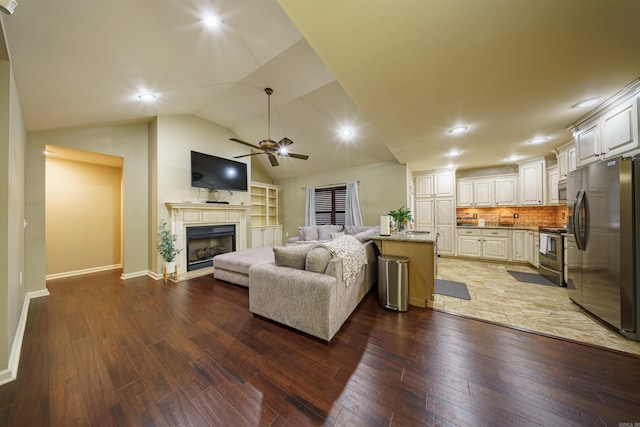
<point>205,242</point>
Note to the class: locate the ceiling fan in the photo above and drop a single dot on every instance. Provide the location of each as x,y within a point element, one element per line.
<point>269,146</point>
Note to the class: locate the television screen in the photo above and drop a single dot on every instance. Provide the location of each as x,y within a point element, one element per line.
<point>217,173</point>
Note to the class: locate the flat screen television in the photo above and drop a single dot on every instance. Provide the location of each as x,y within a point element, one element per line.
<point>213,172</point>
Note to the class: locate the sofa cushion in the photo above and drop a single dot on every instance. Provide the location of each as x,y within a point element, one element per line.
<point>309,232</point>
<point>338,234</point>
<point>318,259</point>
<point>324,231</point>
<point>355,229</point>
<point>293,256</point>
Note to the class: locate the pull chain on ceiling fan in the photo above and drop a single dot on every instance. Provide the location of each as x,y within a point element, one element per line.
<point>269,146</point>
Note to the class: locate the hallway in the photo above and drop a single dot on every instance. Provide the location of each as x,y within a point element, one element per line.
<point>497,297</point>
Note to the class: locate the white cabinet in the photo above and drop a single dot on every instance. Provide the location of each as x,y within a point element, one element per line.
<point>506,191</point>
<point>265,228</point>
<point>435,184</point>
<point>484,243</point>
<point>499,190</point>
<point>533,246</point>
<point>519,242</point>
<point>435,209</point>
<point>532,179</point>
<point>553,178</point>
<point>609,132</point>
<point>566,160</point>
<point>266,236</point>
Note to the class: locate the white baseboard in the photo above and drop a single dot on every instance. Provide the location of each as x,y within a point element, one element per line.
<point>11,373</point>
<point>85,271</point>
<point>125,276</point>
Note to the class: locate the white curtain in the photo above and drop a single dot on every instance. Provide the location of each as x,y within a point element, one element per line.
<point>352,214</point>
<point>310,207</point>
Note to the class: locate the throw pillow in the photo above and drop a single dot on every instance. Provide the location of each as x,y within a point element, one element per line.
<point>324,231</point>
<point>338,234</point>
<point>309,232</point>
<point>318,259</point>
<point>293,256</point>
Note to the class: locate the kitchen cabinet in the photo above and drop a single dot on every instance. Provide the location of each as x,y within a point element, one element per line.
<point>533,245</point>
<point>506,191</point>
<point>610,131</point>
<point>532,179</point>
<point>553,179</point>
<point>435,208</point>
<point>484,243</point>
<point>519,242</point>
<point>487,191</point>
<point>566,156</point>
<point>435,184</point>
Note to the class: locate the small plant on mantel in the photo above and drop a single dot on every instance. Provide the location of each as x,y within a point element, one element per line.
<point>167,243</point>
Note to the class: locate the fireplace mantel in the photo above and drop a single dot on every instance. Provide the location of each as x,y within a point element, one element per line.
<point>184,214</point>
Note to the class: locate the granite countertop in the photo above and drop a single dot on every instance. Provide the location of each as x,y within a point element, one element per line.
<point>406,237</point>
<point>510,227</point>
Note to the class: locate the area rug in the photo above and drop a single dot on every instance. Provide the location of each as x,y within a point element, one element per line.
<point>534,278</point>
<point>452,289</point>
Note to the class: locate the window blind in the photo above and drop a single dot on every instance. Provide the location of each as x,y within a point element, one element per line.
<point>331,205</point>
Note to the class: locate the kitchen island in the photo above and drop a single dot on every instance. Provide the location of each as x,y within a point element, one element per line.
<point>420,248</point>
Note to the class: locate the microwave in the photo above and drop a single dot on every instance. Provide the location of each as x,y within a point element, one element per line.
<point>562,190</point>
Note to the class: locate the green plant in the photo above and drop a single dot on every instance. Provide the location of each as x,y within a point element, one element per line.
<point>402,215</point>
<point>166,243</point>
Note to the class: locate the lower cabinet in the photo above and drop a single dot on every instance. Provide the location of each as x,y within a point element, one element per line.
<point>484,243</point>
<point>266,236</point>
<point>519,245</point>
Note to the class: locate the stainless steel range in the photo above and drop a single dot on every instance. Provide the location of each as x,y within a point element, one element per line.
<point>552,254</point>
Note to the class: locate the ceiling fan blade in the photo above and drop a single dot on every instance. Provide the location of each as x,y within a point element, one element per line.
<point>296,156</point>
<point>246,155</point>
<point>245,143</point>
<point>273,160</point>
<point>285,142</point>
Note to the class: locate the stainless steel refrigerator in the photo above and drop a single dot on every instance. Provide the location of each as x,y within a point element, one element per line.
<point>603,251</point>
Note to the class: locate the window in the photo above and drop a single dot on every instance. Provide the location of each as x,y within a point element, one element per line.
<point>330,205</point>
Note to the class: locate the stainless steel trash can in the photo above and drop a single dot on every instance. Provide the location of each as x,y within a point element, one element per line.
<point>393,282</point>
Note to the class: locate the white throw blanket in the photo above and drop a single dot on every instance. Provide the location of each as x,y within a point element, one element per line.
<point>352,252</point>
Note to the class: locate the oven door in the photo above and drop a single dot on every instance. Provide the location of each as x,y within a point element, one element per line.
<point>550,247</point>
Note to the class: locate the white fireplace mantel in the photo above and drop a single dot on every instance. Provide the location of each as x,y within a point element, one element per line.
<point>185,215</point>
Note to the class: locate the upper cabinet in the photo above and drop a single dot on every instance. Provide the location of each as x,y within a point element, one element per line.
<point>566,156</point>
<point>436,184</point>
<point>610,130</point>
<point>499,190</point>
<point>532,180</point>
<point>553,178</point>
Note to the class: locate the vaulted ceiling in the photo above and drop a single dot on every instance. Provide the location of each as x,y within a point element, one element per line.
<point>399,73</point>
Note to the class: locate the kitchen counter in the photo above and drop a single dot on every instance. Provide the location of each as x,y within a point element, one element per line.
<point>515,227</point>
<point>420,249</point>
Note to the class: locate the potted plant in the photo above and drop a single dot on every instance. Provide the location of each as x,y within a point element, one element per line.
<point>167,247</point>
<point>401,216</point>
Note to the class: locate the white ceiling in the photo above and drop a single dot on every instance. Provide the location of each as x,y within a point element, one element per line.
<point>401,73</point>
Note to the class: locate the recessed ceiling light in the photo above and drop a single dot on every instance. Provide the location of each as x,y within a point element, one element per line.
<point>458,130</point>
<point>212,20</point>
<point>346,133</point>
<point>453,153</point>
<point>147,96</point>
<point>513,158</point>
<point>586,103</point>
<point>538,140</point>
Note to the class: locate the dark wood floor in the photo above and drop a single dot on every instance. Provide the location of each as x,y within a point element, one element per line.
<point>104,352</point>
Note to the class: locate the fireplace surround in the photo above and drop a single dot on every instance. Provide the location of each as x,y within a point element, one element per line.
<point>203,216</point>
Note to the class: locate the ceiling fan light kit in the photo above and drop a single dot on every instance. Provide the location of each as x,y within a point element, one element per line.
<point>269,146</point>
<point>8,6</point>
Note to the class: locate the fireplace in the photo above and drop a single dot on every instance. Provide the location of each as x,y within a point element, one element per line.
<point>207,241</point>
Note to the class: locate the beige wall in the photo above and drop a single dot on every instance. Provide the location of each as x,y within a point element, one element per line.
<point>383,186</point>
<point>13,277</point>
<point>129,142</point>
<point>174,139</point>
<point>83,224</point>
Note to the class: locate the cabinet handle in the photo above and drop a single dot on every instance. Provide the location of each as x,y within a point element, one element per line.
<point>596,155</point>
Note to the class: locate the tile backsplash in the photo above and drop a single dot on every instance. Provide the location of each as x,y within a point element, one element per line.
<point>528,216</point>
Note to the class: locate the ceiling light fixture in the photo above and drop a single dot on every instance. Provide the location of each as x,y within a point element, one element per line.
<point>457,130</point>
<point>453,153</point>
<point>8,6</point>
<point>346,133</point>
<point>538,140</point>
<point>212,21</point>
<point>513,158</point>
<point>586,103</point>
<point>147,97</point>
